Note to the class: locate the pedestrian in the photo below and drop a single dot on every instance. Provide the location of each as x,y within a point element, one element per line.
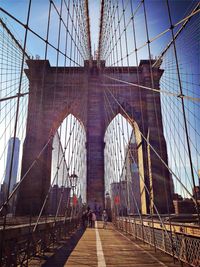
<point>87,216</point>
<point>104,219</point>
<point>84,219</point>
<point>90,218</point>
<point>94,218</point>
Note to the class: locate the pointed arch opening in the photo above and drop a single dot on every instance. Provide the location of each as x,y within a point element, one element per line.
<point>124,170</point>
<point>68,162</point>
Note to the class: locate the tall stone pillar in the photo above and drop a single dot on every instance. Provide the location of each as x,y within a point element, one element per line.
<point>35,171</point>
<point>95,141</point>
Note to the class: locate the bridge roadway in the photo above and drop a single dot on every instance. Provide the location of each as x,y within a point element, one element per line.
<point>108,247</point>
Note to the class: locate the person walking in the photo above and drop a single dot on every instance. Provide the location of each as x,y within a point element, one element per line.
<point>94,218</point>
<point>104,219</point>
<point>84,219</point>
<point>90,218</point>
<point>87,216</point>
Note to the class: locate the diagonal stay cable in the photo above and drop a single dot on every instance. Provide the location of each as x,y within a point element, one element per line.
<point>196,9</point>
<point>154,89</point>
<point>14,96</point>
<point>40,37</point>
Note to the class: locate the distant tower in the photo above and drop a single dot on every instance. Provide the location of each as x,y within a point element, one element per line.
<point>133,178</point>
<point>15,163</point>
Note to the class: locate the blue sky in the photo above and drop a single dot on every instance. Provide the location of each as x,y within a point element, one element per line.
<point>156,15</point>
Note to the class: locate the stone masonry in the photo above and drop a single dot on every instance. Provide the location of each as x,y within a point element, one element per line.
<point>57,92</point>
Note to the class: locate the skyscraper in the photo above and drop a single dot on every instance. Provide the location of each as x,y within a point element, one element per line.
<point>15,163</point>
<point>133,179</point>
<point>58,194</point>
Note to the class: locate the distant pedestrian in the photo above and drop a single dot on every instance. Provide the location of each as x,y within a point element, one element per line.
<point>88,209</point>
<point>84,219</point>
<point>94,218</point>
<point>87,216</point>
<point>90,218</point>
<point>104,219</point>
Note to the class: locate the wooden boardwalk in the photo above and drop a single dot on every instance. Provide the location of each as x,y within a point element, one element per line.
<point>99,247</point>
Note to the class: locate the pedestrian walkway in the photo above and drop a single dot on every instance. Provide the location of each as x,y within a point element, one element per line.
<point>99,247</point>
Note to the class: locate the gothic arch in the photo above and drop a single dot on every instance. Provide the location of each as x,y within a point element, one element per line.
<point>127,114</point>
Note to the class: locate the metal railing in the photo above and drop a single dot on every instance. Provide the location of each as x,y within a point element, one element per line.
<point>182,242</point>
<point>22,243</point>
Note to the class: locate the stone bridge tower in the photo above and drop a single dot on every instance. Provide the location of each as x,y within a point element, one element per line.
<point>142,110</point>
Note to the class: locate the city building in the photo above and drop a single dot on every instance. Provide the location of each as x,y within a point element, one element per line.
<point>119,198</point>
<point>59,195</point>
<point>184,206</point>
<point>133,179</point>
<point>14,165</point>
<point>196,192</point>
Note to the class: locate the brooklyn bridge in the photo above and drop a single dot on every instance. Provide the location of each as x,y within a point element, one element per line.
<point>100,133</point>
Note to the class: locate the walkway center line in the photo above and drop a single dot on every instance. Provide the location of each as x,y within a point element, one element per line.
<point>100,254</point>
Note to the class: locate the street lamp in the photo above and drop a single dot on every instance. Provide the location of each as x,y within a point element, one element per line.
<point>73,179</point>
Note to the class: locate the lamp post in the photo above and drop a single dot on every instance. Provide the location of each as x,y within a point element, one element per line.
<point>73,178</point>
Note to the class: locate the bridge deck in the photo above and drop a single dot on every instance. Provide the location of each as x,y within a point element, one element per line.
<point>99,247</point>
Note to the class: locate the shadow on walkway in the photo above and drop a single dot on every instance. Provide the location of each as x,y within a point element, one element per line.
<point>61,254</point>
